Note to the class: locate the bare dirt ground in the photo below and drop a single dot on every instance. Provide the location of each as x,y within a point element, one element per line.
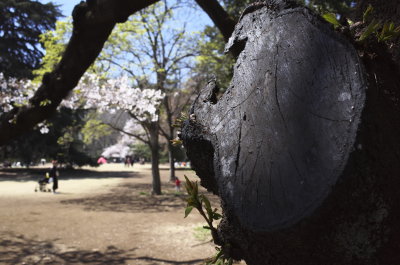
<point>101,216</point>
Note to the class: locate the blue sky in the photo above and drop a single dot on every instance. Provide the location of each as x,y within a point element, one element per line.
<point>66,6</point>
<point>195,19</point>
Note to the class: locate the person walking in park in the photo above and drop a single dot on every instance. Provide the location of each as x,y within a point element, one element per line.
<point>54,175</point>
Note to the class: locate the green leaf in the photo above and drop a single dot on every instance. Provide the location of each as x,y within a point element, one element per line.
<point>385,29</point>
<point>188,210</point>
<point>207,203</point>
<point>188,185</point>
<point>388,32</point>
<point>176,142</point>
<point>216,216</point>
<point>372,27</point>
<point>331,18</point>
<point>367,13</point>
<point>207,206</point>
<point>195,190</point>
<point>391,26</point>
<point>45,102</point>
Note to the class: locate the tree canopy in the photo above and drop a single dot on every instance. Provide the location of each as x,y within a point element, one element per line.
<point>21,24</point>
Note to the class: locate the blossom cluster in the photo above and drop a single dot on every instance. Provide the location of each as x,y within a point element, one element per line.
<point>117,94</point>
<point>92,92</point>
<point>15,92</point>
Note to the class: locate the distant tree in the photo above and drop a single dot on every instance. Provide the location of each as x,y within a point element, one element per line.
<point>21,23</point>
<point>154,54</point>
<point>54,42</point>
<point>62,140</point>
<point>59,137</point>
<point>118,95</point>
<point>212,61</point>
<point>142,151</point>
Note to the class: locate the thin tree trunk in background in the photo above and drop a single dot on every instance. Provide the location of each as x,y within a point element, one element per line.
<point>155,169</point>
<point>171,162</point>
<point>169,136</point>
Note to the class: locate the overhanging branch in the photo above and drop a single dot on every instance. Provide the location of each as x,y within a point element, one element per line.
<point>93,22</point>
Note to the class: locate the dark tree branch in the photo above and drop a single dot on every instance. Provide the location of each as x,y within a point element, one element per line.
<point>219,16</point>
<point>93,23</point>
<point>164,133</point>
<point>138,137</point>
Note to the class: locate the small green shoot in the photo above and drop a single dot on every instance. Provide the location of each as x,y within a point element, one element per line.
<point>219,258</point>
<point>179,121</point>
<point>45,102</point>
<point>202,204</point>
<point>388,32</point>
<point>331,18</point>
<point>176,142</point>
<point>371,28</point>
<point>367,13</point>
<point>383,33</point>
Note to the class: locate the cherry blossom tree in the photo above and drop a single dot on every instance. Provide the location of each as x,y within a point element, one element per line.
<point>111,95</point>
<point>156,54</point>
<point>141,104</point>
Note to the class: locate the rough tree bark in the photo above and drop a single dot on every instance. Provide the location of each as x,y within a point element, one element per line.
<point>303,147</point>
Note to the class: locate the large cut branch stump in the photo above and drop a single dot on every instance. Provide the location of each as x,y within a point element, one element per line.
<point>290,149</point>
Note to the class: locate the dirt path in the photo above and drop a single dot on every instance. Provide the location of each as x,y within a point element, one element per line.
<point>105,216</point>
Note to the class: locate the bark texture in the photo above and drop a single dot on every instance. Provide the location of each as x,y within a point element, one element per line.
<point>304,156</point>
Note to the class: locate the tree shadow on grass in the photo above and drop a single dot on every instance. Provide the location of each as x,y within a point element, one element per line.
<point>34,174</point>
<point>136,197</point>
<point>163,261</point>
<point>132,198</point>
<point>20,250</point>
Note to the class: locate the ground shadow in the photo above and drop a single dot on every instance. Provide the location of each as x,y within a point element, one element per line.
<point>163,261</point>
<point>20,250</point>
<point>135,197</point>
<point>177,168</point>
<point>132,198</point>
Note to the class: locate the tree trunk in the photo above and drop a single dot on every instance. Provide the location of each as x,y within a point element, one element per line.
<point>155,170</point>
<point>304,157</point>
<point>169,136</point>
<point>171,162</point>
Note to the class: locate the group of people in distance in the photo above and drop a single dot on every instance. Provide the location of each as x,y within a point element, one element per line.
<point>129,161</point>
<point>53,174</point>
